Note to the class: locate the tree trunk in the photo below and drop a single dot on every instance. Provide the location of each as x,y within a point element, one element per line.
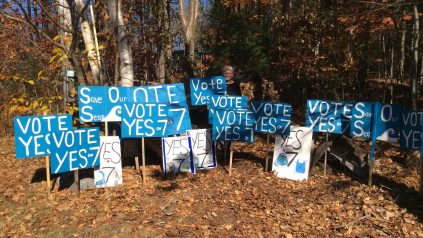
<point>402,61</point>
<point>126,65</point>
<point>189,24</point>
<point>415,58</point>
<point>87,35</point>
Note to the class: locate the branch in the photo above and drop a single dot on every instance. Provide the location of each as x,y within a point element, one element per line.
<point>63,47</point>
<point>58,25</point>
<point>182,14</point>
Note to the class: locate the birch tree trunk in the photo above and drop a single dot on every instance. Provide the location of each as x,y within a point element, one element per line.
<point>126,65</point>
<point>189,25</point>
<point>87,35</point>
<point>415,58</point>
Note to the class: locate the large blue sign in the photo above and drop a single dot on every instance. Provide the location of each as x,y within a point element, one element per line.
<point>272,117</point>
<point>202,89</point>
<point>233,125</point>
<point>411,129</point>
<point>361,121</point>
<point>32,133</point>
<point>101,103</point>
<point>218,102</point>
<point>328,116</point>
<point>144,119</point>
<point>74,149</point>
<point>387,122</point>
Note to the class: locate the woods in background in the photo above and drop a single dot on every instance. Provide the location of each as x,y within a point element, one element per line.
<point>286,50</point>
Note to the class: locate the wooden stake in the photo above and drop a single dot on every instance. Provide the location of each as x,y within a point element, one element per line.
<point>137,163</point>
<point>230,159</point>
<point>266,166</point>
<point>143,159</point>
<point>369,182</point>
<point>76,182</point>
<point>106,128</point>
<point>326,154</point>
<point>48,175</point>
<point>225,148</point>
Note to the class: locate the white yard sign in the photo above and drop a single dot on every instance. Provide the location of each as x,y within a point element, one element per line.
<point>202,147</point>
<point>110,172</point>
<point>177,155</point>
<point>291,158</point>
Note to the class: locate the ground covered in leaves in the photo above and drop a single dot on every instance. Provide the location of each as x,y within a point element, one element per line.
<point>249,203</point>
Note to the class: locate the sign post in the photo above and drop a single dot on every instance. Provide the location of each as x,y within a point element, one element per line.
<point>76,182</point>
<point>48,175</point>
<point>143,159</point>
<point>326,155</point>
<point>230,159</point>
<point>266,167</point>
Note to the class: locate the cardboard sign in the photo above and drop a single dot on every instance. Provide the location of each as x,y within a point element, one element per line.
<point>361,121</point>
<point>32,133</point>
<point>74,149</point>
<point>272,117</point>
<point>101,103</point>
<point>218,102</point>
<point>110,172</point>
<point>171,94</point>
<point>177,155</point>
<point>291,158</point>
<point>411,130</point>
<point>328,116</point>
<point>202,147</point>
<point>144,120</point>
<point>202,89</point>
<point>233,125</point>
<point>387,122</point>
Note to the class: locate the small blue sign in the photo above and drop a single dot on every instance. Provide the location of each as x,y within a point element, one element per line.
<point>328,116</point>
<point>74,149</point>
<point>219,102</point>
<point>202,89</point>
<point>144,120</point>
<point>272,117</point>
<point>387,122</point>
<point>32,133</point>
<point>233,125</point>
<point>411,126</point>
<point>361,121</point>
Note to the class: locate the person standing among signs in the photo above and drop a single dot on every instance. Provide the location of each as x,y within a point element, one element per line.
<point>232,88</point>
<point>232,85</point>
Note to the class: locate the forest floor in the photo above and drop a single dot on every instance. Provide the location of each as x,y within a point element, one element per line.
<point>248,203</point>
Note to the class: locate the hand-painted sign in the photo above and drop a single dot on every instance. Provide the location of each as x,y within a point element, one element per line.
<point>328,116</point>
<point>291,158</point>
<point>203,150</point>
<point>32,133</point>
<point>387,122</point>
<point>361,121</point>
<point>171,94</point>
<point>177,155</point>
<point>218,102</point>
<point>233,125</point>
<point>74,149</point>
<point>101,103</point>
<point>144,120</point>
<point>411,129</point>
<point>202,89</point>
<point>272,117</point>
<point>110,172</point>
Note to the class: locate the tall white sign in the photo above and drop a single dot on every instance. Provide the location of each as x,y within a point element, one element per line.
<point>110,172</point>
<point>291,158</point>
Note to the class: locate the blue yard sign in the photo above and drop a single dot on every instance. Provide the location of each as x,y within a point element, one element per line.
<point>202,89</point>
<point>101,103</point>
<point>32,133</point>
<point>218,102</point>
<point>411,126</point>
<point>233,125</point>
<point>328,116</point>
<point>361,121</point>
<point>272,117</point>
<point>74,149</point>
<point>173,95</point>
<point>144,120</point>
<point>387,122</point>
